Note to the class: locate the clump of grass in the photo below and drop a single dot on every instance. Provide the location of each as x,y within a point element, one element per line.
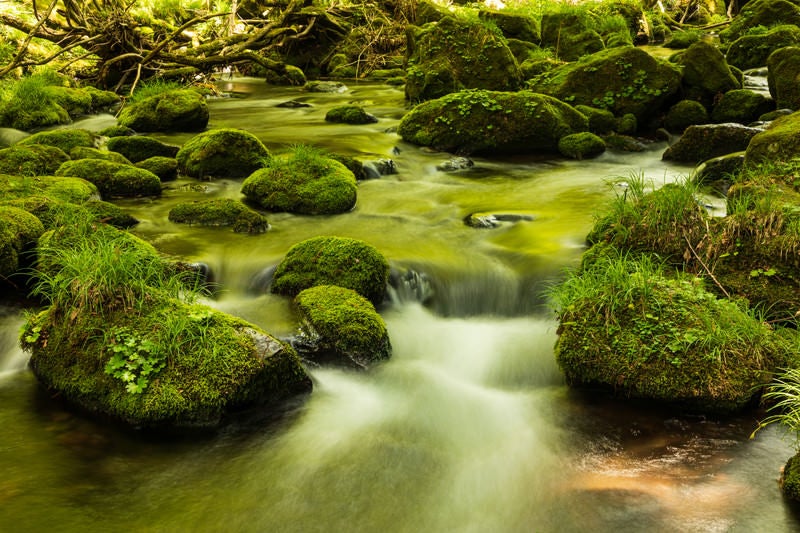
<point>26,103</point>
<point>153,87</point>
<point>783,397</point>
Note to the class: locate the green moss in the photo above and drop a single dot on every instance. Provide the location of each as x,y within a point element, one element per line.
<point>790,478</point>
<point>600,120</point>
<point>102,99</point>
<point>225,212</point>
<point>31,160</point>
<point>780,142</point>
<point>491,122</point>
<point>761,13</point>
<point>113,179</point>
<point>752,51</point>
<point>166,168</point>
<point>116,131</point>
<point>65,139</point>
<point>74,190</point>
<point>339,261</point>
<point>683,39</point>
<point>783,69</point>
<point>581,145</point>
<point>178,110</point>
<point>137,148</point>
<point>76,102</point>
<point>349,114</point>
<point>224,152</point>
<point>684,114</point>
<point>28,103</point>
<point>304,181</point>
<point>84,152</point>
<point>18,232</point>
<point>342,321</point>
<point>741,105</point>
<point>570,33</point>
<point>292,76</point>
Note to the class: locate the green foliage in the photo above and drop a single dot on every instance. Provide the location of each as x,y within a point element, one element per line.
<point>133,360</point>
<point>783,398</point>
<point>154,87</point>
<point>28,103</point>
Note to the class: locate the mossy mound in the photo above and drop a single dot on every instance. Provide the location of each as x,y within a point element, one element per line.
<point>681,39</point>
<point>702,142</point>
<point>570,34</point>
<point>601,121</point>
<point>166,168</point>
<point>304,181</point>
<point>84,152</point>
<point>179,110</point>
<point>339,261</point>
<point>684,114</point>
<point>752,51</point>
<point>341,325</point>
<point>780,142</point>
<point>756,13</point>
<point>222,153</point>
<point>492,122</point>
<point>790,478</point>
<point>65,139</point>
<point>73,190</point>
<point>628,327</point>
<point>514,25</point>
<point>705,72</point>
<point>31,160</point>
<point>741,105</point>
<point>113,179</point>
<point>782,74</point>
<point>139,350</point>
<point>454,54</point>
<point>76,102</point>
<point>19,231</point>
<point>116,131</point>
<point>581,145</point>
<point>137,148</point>
<point>623,80</point>
<point>224,212</point>
<point>349,114</point>
<point>109,213</point>
<point>291,76</point>
<point>102,99</point>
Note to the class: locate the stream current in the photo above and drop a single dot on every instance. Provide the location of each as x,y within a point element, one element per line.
<point>469,427</point>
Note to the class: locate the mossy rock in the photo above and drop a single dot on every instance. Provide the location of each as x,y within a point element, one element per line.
<point>522,51</point>
<point>492,122</point>
<point>782,75</point>
<point>718,172</point>
<point>116,131</point>
<point>751,51</point>
<point>349,114</point>
<point>622,80</point>
<point>48,113</point>
<point>291,76</point>
<point>705,73</point>
<point>680,40</point>
<point>19,231</point>
<point>628,328</point>
<point>571,35</point>
<point>779,142</point>
<point>513,25</point>
<point>113,180</point>
<point>741,105</point>
<point>582,145</point>
<point>85,152</point>
<point>532,67</point>
<point>341,325</point>
<point>65,139</point>
<point>73,190</point>
<point>684,114</point>
<point>600,120</point>
<point>339,261</point>
<point>766,13</point>
<point>137,148</point>
<point>304,182</point>
<point>178,110</point>
<point>790,478</point>
<point>222,153</point>
<point>31,160</point>
<point>110,214</point>
<point>166,168</point>
<point>76,102</point>
<point>102,99</point>
<point>702,142</point>
<point>452,55</point>
<point>223,212</point>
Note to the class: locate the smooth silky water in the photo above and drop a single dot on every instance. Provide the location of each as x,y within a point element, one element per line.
<point>469,427</point>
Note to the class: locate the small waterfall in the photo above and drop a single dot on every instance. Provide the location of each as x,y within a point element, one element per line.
<point>12,358</point>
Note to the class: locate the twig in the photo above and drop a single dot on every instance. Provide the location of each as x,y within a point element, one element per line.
<point>713,278</point>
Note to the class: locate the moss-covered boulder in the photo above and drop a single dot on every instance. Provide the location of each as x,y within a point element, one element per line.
<point>751,51</point>
<point>166,168</point>
<point>137,148</point>
<point>290,75</point>
<point>705,72</point>
<point>571,35</point>
<point>582,145</point>
<point>28,103</point>
<point>492,122</point>
<point>741,105</point>
<point>783,74</point>
<point>349,114</point>
<point>222,153</point>
<point>85,152</point>
<point>102,100</point>
<point>109,213</point>
<point>623,80</point>
<point>304,181</point>
<point>31,160</point>
<point>789,481</point>
<point>138,350</point>
<point>113,180</point>
<point>224,212</point>
<point>601,121</point>
<point>513,25</point>
<point>339,261</point>
<point>684,114</point>
<point>340,325</point>
<point>19,231</point>
<point>65,139</point>
<point>116,131</point>
<point>75,101</point>
<point>179,110</point>
<point>626,326</point>
<point>702,142</point>
<point>779,142</point>
<point>761,13</point>
<point>453,54</point>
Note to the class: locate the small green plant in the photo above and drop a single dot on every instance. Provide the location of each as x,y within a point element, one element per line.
<point>783,396</point>
<point>154,87</point>
<point>134,360</point>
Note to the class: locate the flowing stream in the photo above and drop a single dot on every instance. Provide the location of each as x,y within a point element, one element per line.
<point>468,428</point>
